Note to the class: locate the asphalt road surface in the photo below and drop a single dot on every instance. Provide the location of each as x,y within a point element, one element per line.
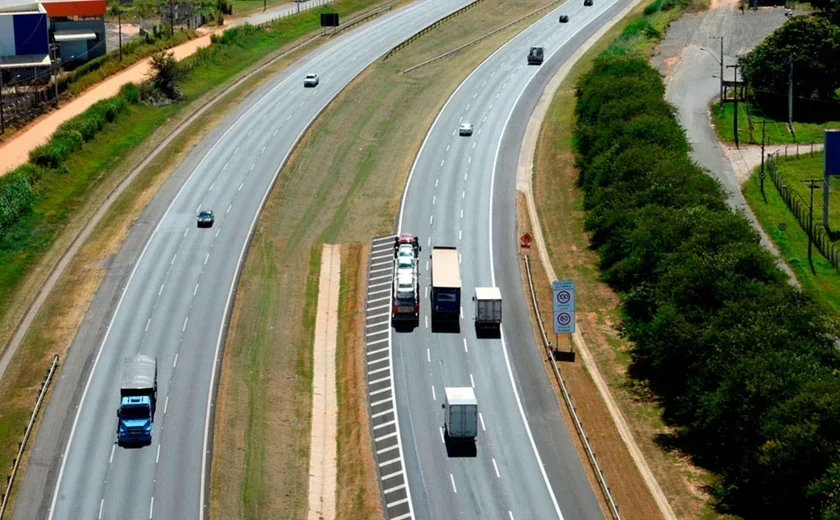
<point>178,281</point>
<point>461,193</point>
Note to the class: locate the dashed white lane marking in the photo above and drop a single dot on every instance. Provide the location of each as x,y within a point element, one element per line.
<point>175,363</point>
<point>472,381</point>
<point>101,505</point>
<point>434,396</point>
<point>468,106</point>
<point>206,258</point>
<point>148,322</point>
<point>431,219</point>
<point>484,83</point>
<point>463,193</point>
<point>510,514</point>
<point>475,95</point>
<point>426,321</point>
<point>240,186</point>
<point>459,234</point>
<point>111,458</point>
<point>459,254</point>
<point>225,166</point>
<point>462,213</point>
<point>476,142</point>
<point>165,405</point>
<point>217,232</point>
<point>427,268</point>
<point>465,345</point>
<point>288,117</point>
<point>173,259</point>
<point>161,288</point>
<point>442,438</point>
<point>442,161</point>
<point>151,508</point>
<point>465,175</point>
<point>452,478</point>
<point>469,159</point>
<point>429,241</point>
<point>196,289</point>
<point>460,119</point>
<point>447,147</point>
<point>496,468</point>
<point>436,182</point>
<point>212,186</point>
<point>186,231</point>
<point>434,199</point>
<point>481,418</point>
<point>228,210</point>
<point>479,131</point>
<point>263,150</point>
<point>157,455</point>
<point>275,132</point>
<point>428,355</point>
<point>252,167</point>
<point>185,324</point>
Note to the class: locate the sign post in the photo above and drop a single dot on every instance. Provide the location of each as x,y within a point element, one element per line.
<point>564,307</point>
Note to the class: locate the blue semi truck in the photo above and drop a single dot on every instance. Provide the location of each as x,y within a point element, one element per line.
<point>138,398</point>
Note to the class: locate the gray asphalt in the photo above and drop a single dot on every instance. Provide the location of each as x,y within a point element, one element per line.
<point>172,301</point>
<point>461,193</point>
<point>694,83</point>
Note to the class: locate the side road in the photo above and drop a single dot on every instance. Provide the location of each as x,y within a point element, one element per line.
<point>15,152</point>
<point>689,59</point>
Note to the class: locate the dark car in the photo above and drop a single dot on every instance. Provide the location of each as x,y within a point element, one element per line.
<point>535,56</point>
<point>206,218</point>
<point>587,2</point>
<point>564,18</point>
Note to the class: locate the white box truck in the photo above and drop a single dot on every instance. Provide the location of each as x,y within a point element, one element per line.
<point>461,413</point>
<point>488,308</point>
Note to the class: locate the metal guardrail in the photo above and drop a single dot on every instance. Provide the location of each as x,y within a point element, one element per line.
<point>356,21</point>
<point>480,38</point>
<point>568,398</point>
<point>428,28</point>
<point>10,480</point>
<point>797,205</point>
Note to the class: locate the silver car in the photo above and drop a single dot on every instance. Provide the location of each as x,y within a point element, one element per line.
<point>465,129</point>
<point>311,80</point>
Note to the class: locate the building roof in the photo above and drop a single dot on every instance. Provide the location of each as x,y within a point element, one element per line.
<point>20,7</point>
<point>64,8</point>
<point>24,60</point>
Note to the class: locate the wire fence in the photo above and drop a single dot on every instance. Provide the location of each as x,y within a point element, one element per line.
<point>22,445</point>
<point>599,473</point>
<point>801,210</point>
<point>421,32</point>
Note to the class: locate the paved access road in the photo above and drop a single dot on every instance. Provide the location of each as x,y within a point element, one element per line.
<point>176,296</point>
<point>461,193</point>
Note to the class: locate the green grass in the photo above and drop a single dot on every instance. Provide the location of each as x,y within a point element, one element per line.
<point>796,169</point>
<point>823,283</point>
<point>776,132</point>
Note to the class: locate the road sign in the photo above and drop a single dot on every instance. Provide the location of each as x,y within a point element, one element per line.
<point>564,306</point>
<point>525,241</point>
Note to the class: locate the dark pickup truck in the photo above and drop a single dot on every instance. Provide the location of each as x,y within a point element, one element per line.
<point>535,56</point>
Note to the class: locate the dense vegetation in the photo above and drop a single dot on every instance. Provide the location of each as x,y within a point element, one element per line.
<point>744,364</point>
<point>812,44</point>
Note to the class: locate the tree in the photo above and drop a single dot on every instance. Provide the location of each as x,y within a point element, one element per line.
<point>165,74</point>
<point>812,44</point>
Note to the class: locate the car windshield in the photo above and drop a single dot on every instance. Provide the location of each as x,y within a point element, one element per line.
<point>310,76</point>
<point>135,412</point>
<point>205,214</point>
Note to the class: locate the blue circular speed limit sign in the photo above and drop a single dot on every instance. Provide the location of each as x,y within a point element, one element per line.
<point>564,297</point>
<point>564,318</point>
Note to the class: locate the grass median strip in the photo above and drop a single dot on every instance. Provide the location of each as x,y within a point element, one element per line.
<point>342,185</point>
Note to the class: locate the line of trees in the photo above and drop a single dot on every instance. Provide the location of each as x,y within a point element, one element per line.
<point>744,364</point>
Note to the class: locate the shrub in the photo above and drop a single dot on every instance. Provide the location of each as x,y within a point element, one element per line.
<point>17,194</point>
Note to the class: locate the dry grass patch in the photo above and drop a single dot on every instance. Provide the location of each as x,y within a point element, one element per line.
<point>356,472</point>
<point>560,208</point>
<point>342,185</point>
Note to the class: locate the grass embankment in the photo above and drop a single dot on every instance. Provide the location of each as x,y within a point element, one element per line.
<point>68,196</point>
<point>342,185</point>
<point>770,210</point>
<point>775,132</point>
<point>559,204</point>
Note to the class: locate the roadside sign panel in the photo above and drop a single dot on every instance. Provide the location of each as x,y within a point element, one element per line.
<point>564,306</point>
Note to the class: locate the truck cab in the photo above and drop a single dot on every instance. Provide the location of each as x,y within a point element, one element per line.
<point>138,398</point>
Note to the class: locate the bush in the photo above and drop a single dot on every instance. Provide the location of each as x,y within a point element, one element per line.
<point>652,7</point>
<point>744,364</point>
<point>17,194</point>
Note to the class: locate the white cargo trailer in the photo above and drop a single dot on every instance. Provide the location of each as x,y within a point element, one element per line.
<point>461,413</point>
<point>488,308</point>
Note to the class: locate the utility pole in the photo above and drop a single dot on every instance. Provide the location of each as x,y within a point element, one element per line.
<point>790,97</point>
<point>735,118</point>
<point>721,68</point>
<point>172,16</point>
<point>119,23</point>
<point>2,118</point>
<point>812,185</point>
<point>54,66</point>
<point>761,175</point>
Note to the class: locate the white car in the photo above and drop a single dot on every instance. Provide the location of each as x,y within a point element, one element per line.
<point>465,129</point>
<point>311,80</point>
<point>405,257</point>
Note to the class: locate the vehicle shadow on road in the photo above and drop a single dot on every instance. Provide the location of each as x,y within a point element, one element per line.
<point>459,448</point>
<point>405,326</point>
<point>446,327</point>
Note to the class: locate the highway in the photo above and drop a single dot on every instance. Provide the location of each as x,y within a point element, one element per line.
<point>461,193</point>
<point>168,294</point>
